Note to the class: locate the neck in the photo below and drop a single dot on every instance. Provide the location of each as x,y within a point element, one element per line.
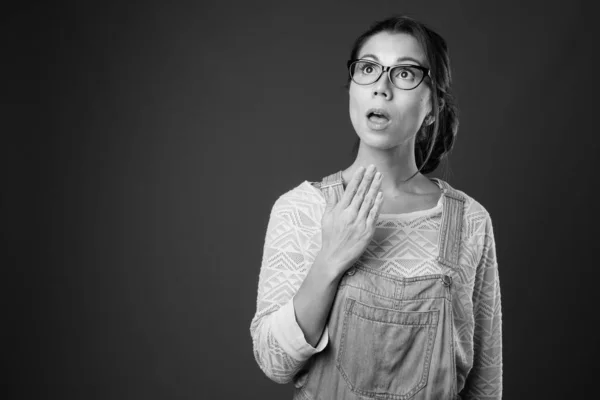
<point>397,165</point>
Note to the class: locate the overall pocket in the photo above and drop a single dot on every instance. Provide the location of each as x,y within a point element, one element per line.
<point>386,353</point>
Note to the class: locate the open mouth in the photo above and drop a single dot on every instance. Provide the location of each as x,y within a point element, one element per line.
<point>378,116</point>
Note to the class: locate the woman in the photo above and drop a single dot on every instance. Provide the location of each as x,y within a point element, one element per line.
<point>378,282</point>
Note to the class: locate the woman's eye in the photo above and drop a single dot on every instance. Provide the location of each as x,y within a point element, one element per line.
<point>367,69</point>
<point>405,73</point>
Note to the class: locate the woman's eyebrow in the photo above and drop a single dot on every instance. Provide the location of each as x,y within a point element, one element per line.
<point>405,58</point>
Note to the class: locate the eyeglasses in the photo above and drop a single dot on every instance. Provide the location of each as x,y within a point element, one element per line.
<point>404,76</point>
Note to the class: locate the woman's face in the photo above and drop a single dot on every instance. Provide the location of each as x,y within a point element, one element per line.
<point>406,108</point>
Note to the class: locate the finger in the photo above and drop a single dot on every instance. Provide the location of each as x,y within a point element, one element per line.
<point>374,213</point>
<point>370,197</point>
<point>352,187</point>
<point>362,189</point>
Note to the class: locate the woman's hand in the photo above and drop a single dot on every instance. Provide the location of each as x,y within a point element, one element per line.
<point>348,225</point>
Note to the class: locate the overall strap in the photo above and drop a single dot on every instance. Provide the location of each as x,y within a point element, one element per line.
<point>333,185</point>
<point>451,226</point>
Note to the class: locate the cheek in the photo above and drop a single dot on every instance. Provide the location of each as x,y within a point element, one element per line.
<point>354,105</point>
<point>425,101</point>
<point>414,108</point>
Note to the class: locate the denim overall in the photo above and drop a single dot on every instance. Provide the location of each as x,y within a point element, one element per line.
<point>391,337</point>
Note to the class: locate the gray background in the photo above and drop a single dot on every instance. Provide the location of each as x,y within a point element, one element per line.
<point>145,144</point>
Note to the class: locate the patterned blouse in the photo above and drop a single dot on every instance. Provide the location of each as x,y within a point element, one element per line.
<point>405,245</point>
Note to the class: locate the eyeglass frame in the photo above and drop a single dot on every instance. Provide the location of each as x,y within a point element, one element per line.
<point>427,72</point>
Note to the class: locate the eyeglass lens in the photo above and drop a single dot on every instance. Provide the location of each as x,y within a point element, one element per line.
<point>403,76</point>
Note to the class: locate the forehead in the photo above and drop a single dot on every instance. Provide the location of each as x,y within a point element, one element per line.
<point>389,47</point>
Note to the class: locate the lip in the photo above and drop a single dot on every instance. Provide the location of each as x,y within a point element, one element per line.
<point>378,126</point>
<point>374,126</point>
<point>378,111</point>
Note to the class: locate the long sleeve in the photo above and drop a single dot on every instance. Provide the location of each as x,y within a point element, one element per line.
<point>484,381</point>
<point>279,345</point>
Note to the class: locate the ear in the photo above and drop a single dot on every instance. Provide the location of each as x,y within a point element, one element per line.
<point>429,116</point>
<point>442,104</point>
<point>429,119</point>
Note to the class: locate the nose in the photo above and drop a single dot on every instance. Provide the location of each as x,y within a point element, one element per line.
<point>382,87</point>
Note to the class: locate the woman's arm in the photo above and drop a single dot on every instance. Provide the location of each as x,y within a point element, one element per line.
<point>294,298</point>
<point>485,378</point>
<point>312,303</point>
<point>279,344</point>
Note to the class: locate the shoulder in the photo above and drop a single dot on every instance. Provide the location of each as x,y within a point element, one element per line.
<point>477,231</point>
<point>476,218</point>
<point>302,205</point>
<point>305,192</point>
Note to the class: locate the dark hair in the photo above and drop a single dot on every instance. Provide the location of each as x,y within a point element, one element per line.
<point>434,141</point>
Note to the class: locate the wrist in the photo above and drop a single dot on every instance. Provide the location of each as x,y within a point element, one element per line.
<point>328,270</point>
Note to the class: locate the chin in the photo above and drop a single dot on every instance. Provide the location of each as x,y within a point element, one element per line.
<point>386,139</point>
<point>378,140</point>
